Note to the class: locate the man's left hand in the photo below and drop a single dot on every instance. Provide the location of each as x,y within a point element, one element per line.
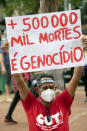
<point>84,38</point>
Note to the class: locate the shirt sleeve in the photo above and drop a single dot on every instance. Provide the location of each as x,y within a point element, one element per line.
<point>27,103</point>
<point>65,99</point>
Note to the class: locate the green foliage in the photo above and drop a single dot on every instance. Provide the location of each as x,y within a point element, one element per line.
<point>61,5</point>
<point>2,2</point>
<point>20,6</point>
<point>84,12</point>
<point>76,3</point>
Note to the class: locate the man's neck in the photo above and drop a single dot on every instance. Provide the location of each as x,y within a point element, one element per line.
<point>46,104</point>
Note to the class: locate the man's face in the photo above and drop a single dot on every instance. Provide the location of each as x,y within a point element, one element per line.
<point>46,86</point>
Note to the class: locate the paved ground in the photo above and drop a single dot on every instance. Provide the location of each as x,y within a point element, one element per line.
<point>78,118</point>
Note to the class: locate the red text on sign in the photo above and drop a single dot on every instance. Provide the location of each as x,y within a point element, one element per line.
<point>57,59</point>
<point>59,35</point>
<point>22,40</point>
<point>63,20</point>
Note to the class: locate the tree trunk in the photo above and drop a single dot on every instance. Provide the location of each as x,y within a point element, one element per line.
<point>47,6</point>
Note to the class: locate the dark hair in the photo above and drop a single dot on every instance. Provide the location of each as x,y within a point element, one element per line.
<point>39,77</point>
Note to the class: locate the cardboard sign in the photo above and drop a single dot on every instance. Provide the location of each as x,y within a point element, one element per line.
<point>45,41</point>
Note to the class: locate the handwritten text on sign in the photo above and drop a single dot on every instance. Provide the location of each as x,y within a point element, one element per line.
<point>45,41</point>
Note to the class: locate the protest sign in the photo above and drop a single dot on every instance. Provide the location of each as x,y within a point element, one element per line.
<point>45,41</point>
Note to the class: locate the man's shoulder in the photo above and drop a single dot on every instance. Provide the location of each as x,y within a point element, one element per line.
<point>29,98</point>
<point>64,94</point>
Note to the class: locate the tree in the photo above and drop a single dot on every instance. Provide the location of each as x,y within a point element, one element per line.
<point>84,12</point>
<point>48,6</point>
<point>19,7</point>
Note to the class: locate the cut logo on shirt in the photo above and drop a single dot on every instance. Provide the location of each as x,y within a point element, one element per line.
<point>43,123</point>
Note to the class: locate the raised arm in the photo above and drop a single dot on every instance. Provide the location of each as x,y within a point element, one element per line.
<point>77,74</point>
<point>72,85</point>
<point>22,87</point>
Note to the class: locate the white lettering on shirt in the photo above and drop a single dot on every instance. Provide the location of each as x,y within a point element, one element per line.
<point>43,123</point>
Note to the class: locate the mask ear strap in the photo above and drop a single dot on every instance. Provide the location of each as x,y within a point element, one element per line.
<point>57,91</point>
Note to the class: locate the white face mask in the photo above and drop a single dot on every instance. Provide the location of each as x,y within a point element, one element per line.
<point>48,95</point>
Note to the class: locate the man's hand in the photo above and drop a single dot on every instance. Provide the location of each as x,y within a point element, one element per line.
<point>84,38</point>
<point>5,46</point>
<point>77,73</point>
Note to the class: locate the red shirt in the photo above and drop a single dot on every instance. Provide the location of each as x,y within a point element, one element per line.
<point>59,112</point>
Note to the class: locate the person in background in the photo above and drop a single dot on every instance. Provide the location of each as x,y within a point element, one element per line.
<point>0,65</point>
<point>27,78</point>
<point>5,69</point>
<point>84,76</point>
<point>0,38</point>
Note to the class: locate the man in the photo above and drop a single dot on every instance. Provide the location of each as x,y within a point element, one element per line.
<point>8,118</point>
<point>49,113</point>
